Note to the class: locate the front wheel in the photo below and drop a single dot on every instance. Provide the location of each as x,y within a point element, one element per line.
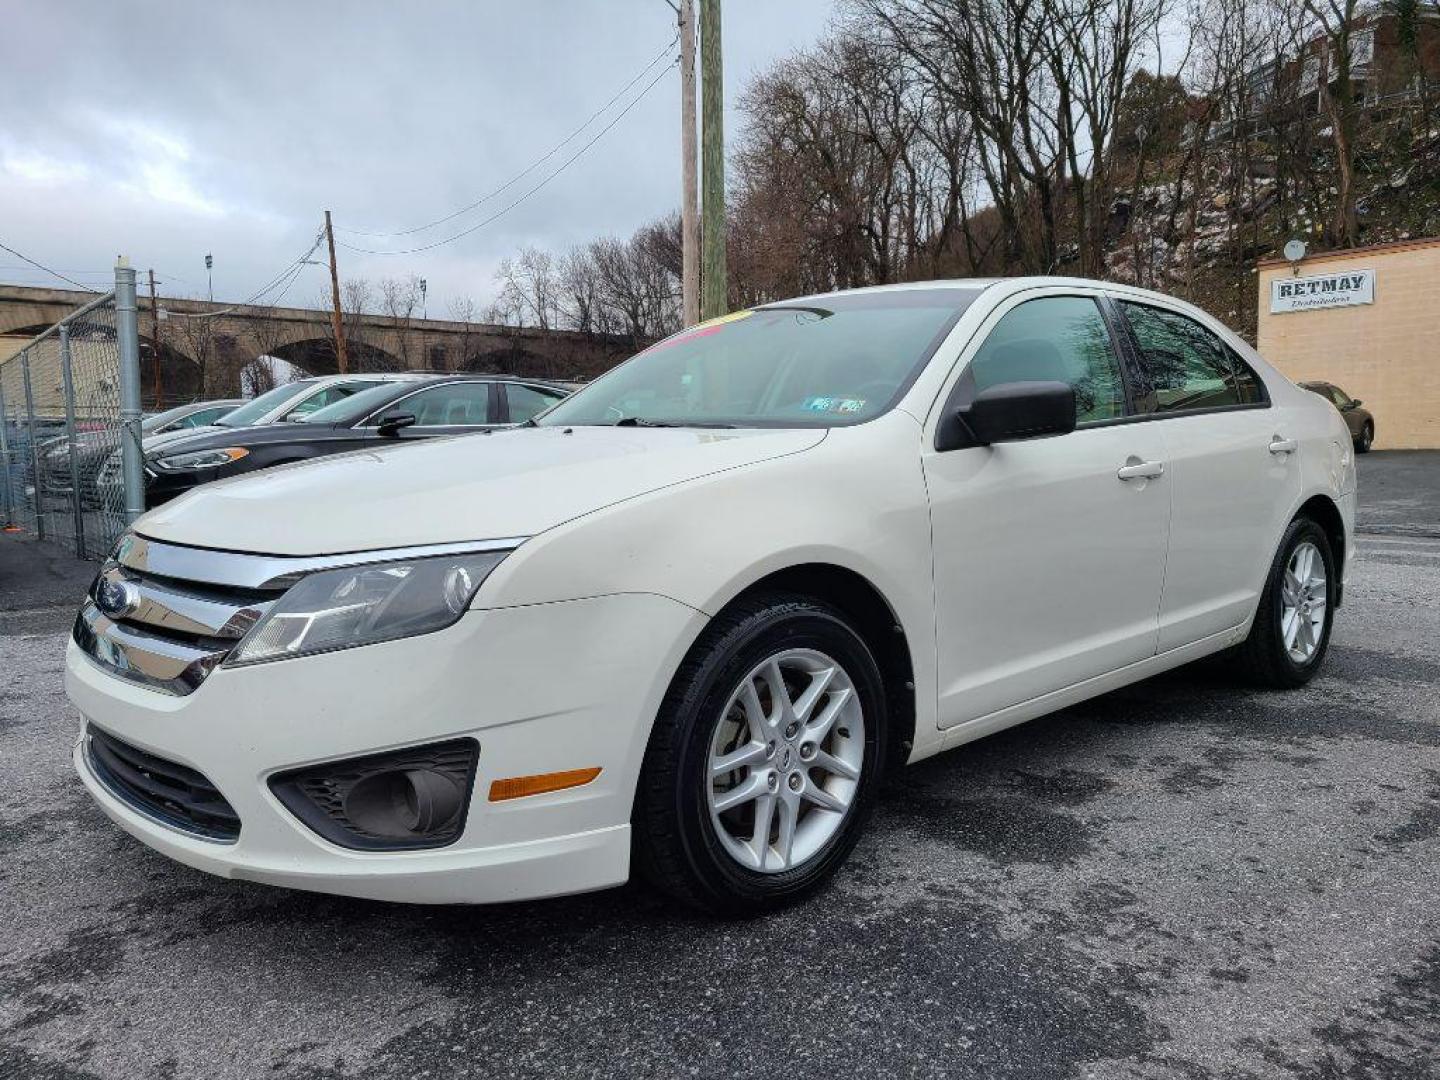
<point>1367,437</point>
<point>764,759</point>
<point>1291,631</point>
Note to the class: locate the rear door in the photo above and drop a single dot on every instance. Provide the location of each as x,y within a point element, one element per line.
<point>1049,553</point>
<point>1233,470</point>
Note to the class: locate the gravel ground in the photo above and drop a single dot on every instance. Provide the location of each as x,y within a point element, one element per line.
<point>1180,880</point>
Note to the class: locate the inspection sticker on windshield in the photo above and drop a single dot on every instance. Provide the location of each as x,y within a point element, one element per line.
<point>834,404</point>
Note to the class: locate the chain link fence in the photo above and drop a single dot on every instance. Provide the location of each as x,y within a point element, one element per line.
<point>65,426</point>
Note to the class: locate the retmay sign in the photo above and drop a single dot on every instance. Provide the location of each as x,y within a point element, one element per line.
<point>1322,291</point>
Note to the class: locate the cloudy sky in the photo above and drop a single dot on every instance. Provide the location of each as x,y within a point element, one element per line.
<point>165,130</point>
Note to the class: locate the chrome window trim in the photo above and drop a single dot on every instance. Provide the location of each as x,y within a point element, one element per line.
<point>247,570</point>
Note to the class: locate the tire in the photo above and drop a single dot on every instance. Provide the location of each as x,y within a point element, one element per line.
<point>1266,654</point>
<point>1366,439</point>
<point>684,843</point>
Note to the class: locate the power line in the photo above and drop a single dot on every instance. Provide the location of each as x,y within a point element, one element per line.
<point>286,276</point>
<point>516,202</point>
<point>52,273</point>
<point>82,273</point>
<point>529,168</point>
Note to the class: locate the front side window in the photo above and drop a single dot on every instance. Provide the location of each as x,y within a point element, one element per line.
<point>1056,339</point>
<point>464,404</point>
<point>1186,367</point>
<point>1342,400</point>
<point>832,361</point>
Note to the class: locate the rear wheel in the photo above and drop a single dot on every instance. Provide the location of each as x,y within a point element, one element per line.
<point>764,760</point>
<point>1367,437</point>
<point>1291,631</point>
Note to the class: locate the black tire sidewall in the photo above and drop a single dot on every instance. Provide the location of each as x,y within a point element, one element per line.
<point>723,883</point>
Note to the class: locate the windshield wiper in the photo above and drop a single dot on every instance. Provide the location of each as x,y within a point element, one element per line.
<point>640,421</point>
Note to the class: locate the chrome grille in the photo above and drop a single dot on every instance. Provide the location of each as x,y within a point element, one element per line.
<point>164,633</point>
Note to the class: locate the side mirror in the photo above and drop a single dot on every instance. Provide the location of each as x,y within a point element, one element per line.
<point>391,423</point>
<point>1010,412</point>
<point>1355,403</point>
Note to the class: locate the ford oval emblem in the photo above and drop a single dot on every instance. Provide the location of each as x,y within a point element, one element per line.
<point>117,598</point>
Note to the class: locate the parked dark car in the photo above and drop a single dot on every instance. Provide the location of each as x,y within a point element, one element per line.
<point>92,447</point>
<point>1358,420</point>
<point>409,407</point>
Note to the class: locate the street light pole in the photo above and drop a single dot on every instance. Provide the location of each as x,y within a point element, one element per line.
<point>210,276</point>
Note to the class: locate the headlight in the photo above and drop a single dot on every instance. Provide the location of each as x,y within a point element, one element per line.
<point>200,459</point>
<point>361,605</point>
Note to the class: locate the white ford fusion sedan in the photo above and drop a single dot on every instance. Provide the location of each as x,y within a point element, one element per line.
<point>689,618</point>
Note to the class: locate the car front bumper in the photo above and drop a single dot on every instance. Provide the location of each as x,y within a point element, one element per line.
<point>543,688</point>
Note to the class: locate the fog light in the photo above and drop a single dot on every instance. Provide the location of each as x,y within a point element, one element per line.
<point>405,799</point>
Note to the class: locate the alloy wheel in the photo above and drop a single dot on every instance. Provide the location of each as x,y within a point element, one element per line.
<point>1303,600</point>
<point>785,760</point>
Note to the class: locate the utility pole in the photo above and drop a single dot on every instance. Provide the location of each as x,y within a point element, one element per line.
<point>342,359</point>
<point>713,292</point>
<point>155,341</point>
<point>210,275</point>
<point>689,196</point>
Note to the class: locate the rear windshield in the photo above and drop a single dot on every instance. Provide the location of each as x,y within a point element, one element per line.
<point>831,361</point>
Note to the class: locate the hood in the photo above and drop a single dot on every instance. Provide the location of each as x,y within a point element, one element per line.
<point>474,487</point>
<point>209,438</point>
<point>165,438</point>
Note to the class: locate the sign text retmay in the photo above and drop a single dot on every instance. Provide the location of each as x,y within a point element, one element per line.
<point>1322,291</point>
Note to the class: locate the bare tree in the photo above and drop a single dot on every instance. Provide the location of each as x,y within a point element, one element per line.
<point>530,288</point>
<point>465,311</point>
<point>399,301</point>
<point>1336,21</point>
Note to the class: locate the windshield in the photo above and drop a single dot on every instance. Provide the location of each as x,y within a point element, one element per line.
<point>155,420</point>
<point>349,409</point>
<point>254,410</point>
<point>837,360</point>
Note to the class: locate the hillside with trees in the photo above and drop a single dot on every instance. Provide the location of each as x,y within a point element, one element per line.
<point>1148,141</point>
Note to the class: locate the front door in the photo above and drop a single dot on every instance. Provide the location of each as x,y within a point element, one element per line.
<point>1049,553</point>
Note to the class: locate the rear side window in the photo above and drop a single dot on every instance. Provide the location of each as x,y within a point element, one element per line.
<point>1185,367</point>
<point>526,401</point>
<point>1056,339</point>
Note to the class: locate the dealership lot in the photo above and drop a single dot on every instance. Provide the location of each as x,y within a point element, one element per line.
<point>1179,880</point>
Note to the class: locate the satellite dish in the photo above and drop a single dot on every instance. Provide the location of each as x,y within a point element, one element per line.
<point>1295,250</point>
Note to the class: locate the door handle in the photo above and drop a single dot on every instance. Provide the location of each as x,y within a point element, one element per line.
<point>1141,470</point>
<point>1283,446</point>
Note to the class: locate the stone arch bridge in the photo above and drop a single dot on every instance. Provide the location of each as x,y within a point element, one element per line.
<point>188,352</point>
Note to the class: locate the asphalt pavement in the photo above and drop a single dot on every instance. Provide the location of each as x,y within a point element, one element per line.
<point>1183,880</point>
